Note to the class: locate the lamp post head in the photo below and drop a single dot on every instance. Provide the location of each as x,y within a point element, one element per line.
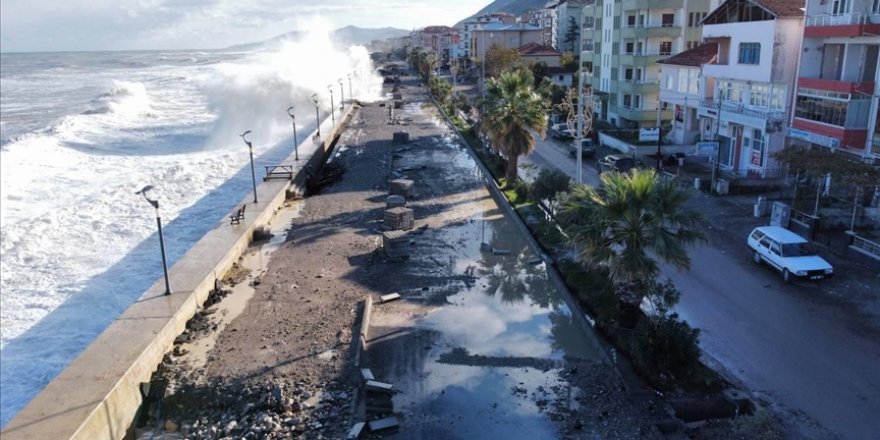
<point>330,89</point>
<point>315,99</point>
<point>143,191</point>
<point>245,139</point>
<point>340,81</point>
<point>290,112</point>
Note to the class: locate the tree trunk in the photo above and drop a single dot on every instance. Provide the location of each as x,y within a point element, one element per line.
<point>511,172</point>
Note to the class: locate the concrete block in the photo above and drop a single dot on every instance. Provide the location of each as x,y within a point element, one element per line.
<point>356,430</point>
<point>400,137</point>
<point>394,243</point>
<point>399,219</point>
<point>379,387</point>
<point>401,187</point>
<point>367,374</point>
<point>388,298</point>
<point>386,424</point>
<point>395,201</point>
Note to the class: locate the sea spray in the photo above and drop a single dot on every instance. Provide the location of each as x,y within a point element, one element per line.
<point>77,245</point>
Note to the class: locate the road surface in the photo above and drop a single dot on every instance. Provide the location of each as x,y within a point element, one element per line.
<point>778,340</point>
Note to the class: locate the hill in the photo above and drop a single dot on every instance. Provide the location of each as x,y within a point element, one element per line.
<point>514,7</point>
<point>346,36</point>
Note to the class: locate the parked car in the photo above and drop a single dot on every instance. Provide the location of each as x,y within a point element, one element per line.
<point>588,148</point>
<point>616,163</point>
<point>560,131</point>
<point>788,253</point>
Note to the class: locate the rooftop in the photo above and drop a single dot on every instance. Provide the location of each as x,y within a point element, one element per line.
<point>704,54</point>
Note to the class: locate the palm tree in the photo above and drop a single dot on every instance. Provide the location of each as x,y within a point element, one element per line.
<point>512,110</point>
<point>626,222</point>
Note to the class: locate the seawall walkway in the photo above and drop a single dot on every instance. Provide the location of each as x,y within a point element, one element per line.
<point>98,394</point>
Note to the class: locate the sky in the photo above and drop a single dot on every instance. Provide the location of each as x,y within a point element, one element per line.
<point>89,25</point>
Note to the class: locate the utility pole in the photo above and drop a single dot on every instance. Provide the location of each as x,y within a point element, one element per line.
<point>717,149</point>
<point>580,129</point>
<point>659,136</point>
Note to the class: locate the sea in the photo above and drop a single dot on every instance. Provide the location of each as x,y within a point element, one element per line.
<point>80,133</point>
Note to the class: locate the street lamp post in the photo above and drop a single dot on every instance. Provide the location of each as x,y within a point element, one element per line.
<point>342,96</point>
<point>317,115</point>
<point>251,151</point>
<point>155,203</point>
<point>350,93</point>
<point>295,140</point>
<point>332,115</point>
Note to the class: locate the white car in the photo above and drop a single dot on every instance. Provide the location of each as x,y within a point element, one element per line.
<point>788,253</point>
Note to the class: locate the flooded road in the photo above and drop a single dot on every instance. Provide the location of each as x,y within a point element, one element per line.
<point>483,337</point>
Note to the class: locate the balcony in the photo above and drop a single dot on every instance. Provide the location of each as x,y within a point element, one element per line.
<point>641,115</point>
<point>666,30</point>
<point>832,85</point>
<point>631,5</point>
<point>832,136</point>
<point>847,25</point>
<point>742,114</point>
<point>635,86</point>
<point>642,58</point>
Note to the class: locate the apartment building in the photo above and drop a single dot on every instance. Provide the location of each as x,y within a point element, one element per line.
<point>569,18</point>
<point>749,85</point>
<point>511,36</point>
<point>622,41</point>
<point>836,102</point>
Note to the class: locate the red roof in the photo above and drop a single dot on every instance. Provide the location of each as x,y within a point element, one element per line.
<point>704,54</point>
<point>535,49</point>
<point>783,8</point>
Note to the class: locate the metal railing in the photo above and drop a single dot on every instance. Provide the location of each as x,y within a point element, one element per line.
<point>839,20</point>
<point>801,217</point>
<point>743,109</point>
<point>865,245</point>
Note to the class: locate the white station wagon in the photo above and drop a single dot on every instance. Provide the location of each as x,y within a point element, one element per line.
<point>788,253</point>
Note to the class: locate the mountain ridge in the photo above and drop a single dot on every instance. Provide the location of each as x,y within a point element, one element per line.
<point>344,36</point>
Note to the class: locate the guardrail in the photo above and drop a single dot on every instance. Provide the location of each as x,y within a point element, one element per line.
<point>838,20</point>
<point>866,246</point>
<point>801,217</point>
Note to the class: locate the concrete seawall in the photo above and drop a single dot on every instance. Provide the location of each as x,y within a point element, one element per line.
<point>97,395</point>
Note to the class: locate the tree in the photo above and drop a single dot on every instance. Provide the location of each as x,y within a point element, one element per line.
<point>568,62</point>
<point>499,59</point>
<point>549,185</point>
<point>572,33</point>
<point>512,110</point>
<point>627,219</point>
<point>539,71</point>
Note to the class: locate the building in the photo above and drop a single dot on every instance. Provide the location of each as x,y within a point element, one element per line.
<point>569,15</point>
<point>749,85</point>
<point>683,89</point>
<point>547,22</point>
<point>621,44</point>
<point>560,76</point>
<point>836,102</point>
<point>511,36</point>
<point>465,46</point>
<point>530,53</point>
<point>442,40</point>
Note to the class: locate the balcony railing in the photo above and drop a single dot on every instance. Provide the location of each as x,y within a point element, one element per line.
<point>742,109</point>
<point>838,20</point>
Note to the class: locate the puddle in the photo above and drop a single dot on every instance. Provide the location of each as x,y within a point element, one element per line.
<point>491,302</point>
<point>255,260</point>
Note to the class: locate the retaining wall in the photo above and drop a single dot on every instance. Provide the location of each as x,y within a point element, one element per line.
<point>97,396</point>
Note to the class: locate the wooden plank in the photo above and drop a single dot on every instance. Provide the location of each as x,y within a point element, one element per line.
<point>381,387</point>
<point>367,374</point>
<point>385,424</point>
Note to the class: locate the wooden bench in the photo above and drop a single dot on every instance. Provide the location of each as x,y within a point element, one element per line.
<point>236,218</point>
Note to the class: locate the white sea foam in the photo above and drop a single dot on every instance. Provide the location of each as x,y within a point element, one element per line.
<point>77,245</point>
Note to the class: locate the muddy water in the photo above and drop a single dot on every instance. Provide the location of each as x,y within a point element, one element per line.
<point>488,332</point>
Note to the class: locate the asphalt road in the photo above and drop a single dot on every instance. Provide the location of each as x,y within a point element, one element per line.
<point>777,340</point>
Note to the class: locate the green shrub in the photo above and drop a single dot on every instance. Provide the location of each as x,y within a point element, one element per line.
<point>666,345</point>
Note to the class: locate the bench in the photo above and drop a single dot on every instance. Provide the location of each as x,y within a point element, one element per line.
<point>236,218</point>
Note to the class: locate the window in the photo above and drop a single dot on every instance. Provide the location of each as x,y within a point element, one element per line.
<point>876,7</point>
<point>682,80</point>
<point>668,20</point>
<point>630,21</point>
<point>638,48</point>
<point>826,111</point>
<point>628,74</point>
<point>757,148</point>
<point>669,82</point>
<point>777,98</point>
<point>665,47</point>
<point>627,101</point>
<point>637,101</point>
<point>630,46</point>
<point>759,95</point>
<point>589,22</point>
<point>749,53</point>
<point>840,7</point>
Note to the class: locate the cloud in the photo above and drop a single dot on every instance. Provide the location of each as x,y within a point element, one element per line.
<point>63,25</point>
